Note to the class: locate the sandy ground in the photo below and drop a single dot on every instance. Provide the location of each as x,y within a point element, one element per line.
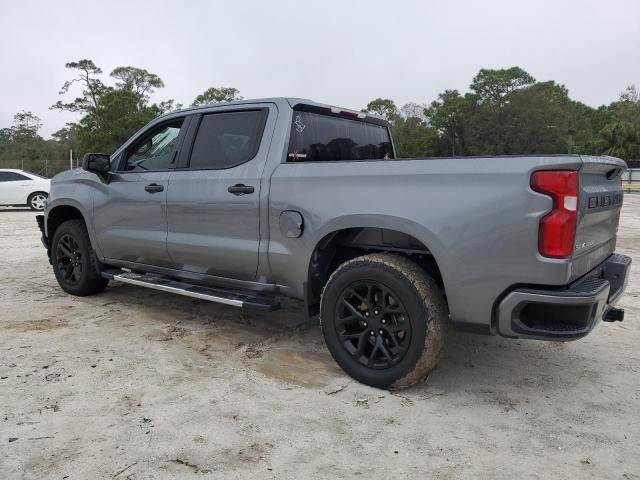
<point>136,384</point>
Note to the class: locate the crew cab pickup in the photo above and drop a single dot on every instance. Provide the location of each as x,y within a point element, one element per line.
<point>244,202</point>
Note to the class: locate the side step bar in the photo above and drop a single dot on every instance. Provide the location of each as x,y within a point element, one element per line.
<point>218,295</point>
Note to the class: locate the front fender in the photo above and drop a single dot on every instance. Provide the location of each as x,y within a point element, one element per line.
<point>74,189</point>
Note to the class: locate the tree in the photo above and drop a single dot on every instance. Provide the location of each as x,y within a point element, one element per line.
<point>447,116</point>
<point>630,94</point>
<point>413,110</point>
<point>586,124</point>
<point>620,136</point>
<point>532,120</point>
<point>111,114</point>
<point>118,114</point>
<point>412,137</point>
<point>67,135</point>
<point>621,139</point>
<point>137,80</point>
<point>25,126</point>
<point>383,107</point>
<point>86,72</point>
<point>6,136</point>
<point>169,106</point>
<point>216,95</point>
<point>494,85</point>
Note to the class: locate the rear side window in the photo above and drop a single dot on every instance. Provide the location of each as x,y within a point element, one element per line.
<point>227,139</point>
<point>12,177</point>
<point>316,137</point>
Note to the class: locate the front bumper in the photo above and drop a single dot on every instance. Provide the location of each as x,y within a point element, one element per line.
<point>567,313</point>
<point>43,237</point>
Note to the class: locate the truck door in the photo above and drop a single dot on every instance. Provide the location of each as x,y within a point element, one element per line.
<point>130,217</point>
<point>213,202</point>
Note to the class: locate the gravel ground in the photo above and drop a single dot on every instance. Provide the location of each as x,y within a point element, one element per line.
<point>136,384</point>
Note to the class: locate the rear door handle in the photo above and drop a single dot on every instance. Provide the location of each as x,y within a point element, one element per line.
<point>154,188</point>
<point>240,189</point>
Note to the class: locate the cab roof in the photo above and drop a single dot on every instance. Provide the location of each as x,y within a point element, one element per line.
<point>291,102</point>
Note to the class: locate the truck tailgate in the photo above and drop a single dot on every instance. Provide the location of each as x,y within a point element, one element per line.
<point>600,202</point>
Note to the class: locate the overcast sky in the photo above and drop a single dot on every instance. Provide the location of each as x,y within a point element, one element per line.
<point>334,51</point>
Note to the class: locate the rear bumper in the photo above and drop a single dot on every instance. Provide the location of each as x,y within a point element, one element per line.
<point>568,313</point>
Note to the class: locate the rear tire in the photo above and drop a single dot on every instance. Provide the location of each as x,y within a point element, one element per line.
<point>383,319</point>
<point>74,262</point>
<point>37,200</point>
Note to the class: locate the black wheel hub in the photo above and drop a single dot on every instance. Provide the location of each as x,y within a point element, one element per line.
<point>69,259</point>
<point>372,324</point>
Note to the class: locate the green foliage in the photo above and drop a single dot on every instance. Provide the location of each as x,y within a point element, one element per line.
<point>216,95</point>
<point>412,137</point>
<point>496,85</point>
<point>621,139</point>
<point>118,114</point>
<point>586,125</point>
<point>137,80</point>
<point>531,120</point>
<point>67,135</point>
<point>506,111</point>
<point>21,141</point>
<point>448,116</point>
<point>25,127</point>
<point>111,113</point>
<point>383,107</point>
<point>621,136</point>
<point>92,87</point>
<point>168,106</point>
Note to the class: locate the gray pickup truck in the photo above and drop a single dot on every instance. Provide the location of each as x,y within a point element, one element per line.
<point>243,202</point>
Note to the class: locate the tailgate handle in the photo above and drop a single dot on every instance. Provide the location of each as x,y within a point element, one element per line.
<point>240,189</point>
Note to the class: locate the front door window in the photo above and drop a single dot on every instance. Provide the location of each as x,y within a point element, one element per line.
<point>155,151</point>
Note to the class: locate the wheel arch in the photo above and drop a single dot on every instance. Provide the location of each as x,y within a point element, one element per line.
<point>60,212</point>
<point>344,243</point>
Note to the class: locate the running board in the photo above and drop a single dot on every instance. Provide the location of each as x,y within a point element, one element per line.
<point>226,297</point>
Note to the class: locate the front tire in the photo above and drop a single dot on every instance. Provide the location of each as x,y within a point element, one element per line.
<point>37,200</point>
<point>75,264</point>
<point>383,319</point>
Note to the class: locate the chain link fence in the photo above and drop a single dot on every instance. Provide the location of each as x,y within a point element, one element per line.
<point>45,168</point>
<point>631,180</point>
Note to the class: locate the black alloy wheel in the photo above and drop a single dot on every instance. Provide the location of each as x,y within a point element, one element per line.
<point>69,259</point>
<point>373,324</point>
<point>74,261</point>
<point>383,319</point>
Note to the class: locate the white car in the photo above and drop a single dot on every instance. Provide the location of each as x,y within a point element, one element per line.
<point>20,188</point>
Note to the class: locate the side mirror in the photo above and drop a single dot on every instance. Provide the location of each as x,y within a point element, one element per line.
<point>99,163</point>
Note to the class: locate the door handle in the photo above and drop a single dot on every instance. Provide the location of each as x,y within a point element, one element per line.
<point>240,189</point>
<point>154,188</point>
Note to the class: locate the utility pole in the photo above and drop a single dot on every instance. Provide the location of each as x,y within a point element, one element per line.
<point>70,159</point>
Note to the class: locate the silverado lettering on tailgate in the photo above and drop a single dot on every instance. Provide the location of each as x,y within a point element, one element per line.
<point>606,200</point>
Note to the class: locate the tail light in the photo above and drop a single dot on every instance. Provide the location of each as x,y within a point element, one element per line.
<point>557,233</point>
